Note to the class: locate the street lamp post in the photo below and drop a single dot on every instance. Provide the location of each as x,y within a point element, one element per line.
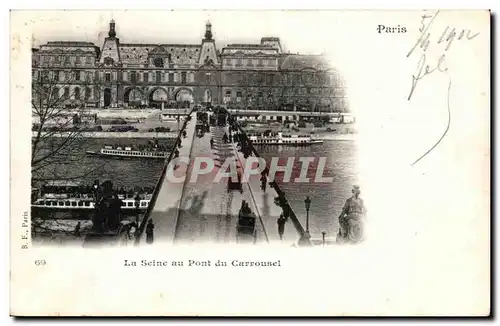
<point>96,191</point>
<point>307,202</point>
<point>323,233</point>
<point>137,203</point>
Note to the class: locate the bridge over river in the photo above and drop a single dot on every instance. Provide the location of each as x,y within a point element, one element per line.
<point>199,211</point>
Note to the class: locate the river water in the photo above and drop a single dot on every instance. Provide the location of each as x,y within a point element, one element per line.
<point>327,198</point>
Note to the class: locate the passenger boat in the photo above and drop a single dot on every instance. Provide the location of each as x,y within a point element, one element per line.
<point>130,152</point>
<point>66,200</point>
<point>278,138</point>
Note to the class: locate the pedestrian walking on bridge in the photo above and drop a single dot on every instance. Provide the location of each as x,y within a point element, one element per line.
<point>263,182</point>
<point>150,232</point>
<point>76,232</point>
<point>281,226</point>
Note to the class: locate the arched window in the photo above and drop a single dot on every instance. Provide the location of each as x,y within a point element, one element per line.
<point>260,97</point>
<point>87,93</point>
<point>158,62</point>
<point>227,97</point>
<point>208,96</point>
<point>55,93</point>
<point>77,93</point>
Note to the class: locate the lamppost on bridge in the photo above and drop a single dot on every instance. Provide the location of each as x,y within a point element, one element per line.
<point>96,191</point>
<point>323,233</point>
<point>137,200</point>
<point>307,202</point>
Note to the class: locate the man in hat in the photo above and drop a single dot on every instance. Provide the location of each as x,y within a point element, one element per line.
<point>150,232</point>
<point>281,226</point>
<point>263,182</point>
<point>354,209</point>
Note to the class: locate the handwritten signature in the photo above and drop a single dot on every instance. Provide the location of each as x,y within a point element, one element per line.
<point>424,68</point>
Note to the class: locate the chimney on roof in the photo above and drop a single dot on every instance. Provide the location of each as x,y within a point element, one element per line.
<point>112,32</point>
<point>208,31</point>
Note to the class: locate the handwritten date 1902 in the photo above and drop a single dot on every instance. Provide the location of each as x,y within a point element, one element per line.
<point>425,39</point>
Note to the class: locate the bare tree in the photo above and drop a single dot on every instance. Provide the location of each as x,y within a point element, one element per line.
<point>58,108</point>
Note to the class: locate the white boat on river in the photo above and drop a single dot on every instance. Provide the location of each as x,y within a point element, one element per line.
<point>279,138</point>
<point>129,152</point>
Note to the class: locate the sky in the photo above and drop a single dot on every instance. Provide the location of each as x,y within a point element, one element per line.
<point>307,32</point>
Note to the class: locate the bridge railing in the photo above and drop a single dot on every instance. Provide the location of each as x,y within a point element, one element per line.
<point>154,196</point>
<point>304,236</point>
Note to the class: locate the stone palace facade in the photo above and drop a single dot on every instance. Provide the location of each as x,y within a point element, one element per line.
<point>257,76</point>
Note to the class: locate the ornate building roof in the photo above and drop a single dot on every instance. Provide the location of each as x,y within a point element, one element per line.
<point>69,43</point>
<point>247,46</point>
<point>183,54</point>
<point>68,48</point>
<point>254,51</point>
<point>135,54</point>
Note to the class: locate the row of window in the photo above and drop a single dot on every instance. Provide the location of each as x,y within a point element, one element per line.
<point>67,93</point>
<point>132,153</point>
<point>66,59</point>
<point>267,141</point>
<point>309,78</point>
<point>250,62</point>
<point>64,76</point>
<point>287,92</point>
<point>228,94</point>
<point>157,76</point>
<point>267,118</point>
<point>90,60</point>
<point>309,91</point>
<point>68,203</point>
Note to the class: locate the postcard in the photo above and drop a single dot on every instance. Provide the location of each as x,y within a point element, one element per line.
<point>250,163</point>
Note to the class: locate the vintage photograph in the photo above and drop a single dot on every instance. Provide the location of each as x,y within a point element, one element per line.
<point>220,140</point>
<point>219,162</point>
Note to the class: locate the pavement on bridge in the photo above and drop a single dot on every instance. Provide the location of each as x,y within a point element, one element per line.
<point>209,211</point>
<point>166,208</point>
<point>268,210</point>
<point>203,211</point>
